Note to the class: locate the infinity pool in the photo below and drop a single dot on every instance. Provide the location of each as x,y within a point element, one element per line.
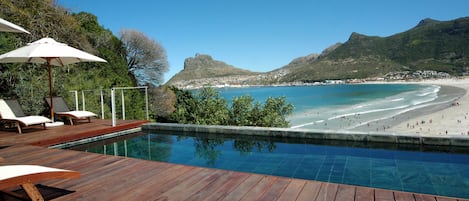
<point>437,170</point>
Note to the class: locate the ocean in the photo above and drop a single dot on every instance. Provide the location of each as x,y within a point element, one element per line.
<point>356,107</point>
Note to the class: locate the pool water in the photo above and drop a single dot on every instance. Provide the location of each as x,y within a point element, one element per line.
<point>388,166</point>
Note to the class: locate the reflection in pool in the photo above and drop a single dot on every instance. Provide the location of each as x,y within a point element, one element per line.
<point>432,170</point>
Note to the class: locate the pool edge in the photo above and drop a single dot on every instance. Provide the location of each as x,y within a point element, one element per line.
<point>446,140</point>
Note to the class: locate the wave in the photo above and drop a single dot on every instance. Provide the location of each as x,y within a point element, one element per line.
<point>416,107</point>
<point>397,99</point>
<point>434,90</point>
<point>307,124</point>
<point>369,111</point>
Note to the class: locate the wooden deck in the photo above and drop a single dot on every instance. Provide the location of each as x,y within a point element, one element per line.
<point>118,178</point>
<point>36,135</point>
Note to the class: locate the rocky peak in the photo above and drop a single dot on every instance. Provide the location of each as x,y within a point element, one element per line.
<point>199,60</point>
<point>426,21</point>
<point>355,36</point>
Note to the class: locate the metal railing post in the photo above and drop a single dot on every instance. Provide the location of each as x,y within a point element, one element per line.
<point>113,107</point>
<point>83,100</point>
<point>102,105</point>
<point>75,92</point>
<point>125,148</point>
<point>116,150</point>
<point>123,104</point>
<point>146,102</point>
<point>113,102</point>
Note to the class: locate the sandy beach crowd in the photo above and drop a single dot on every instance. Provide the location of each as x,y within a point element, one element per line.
<point>453,120</point>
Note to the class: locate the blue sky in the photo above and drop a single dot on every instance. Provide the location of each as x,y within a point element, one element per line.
<point>261,35</point>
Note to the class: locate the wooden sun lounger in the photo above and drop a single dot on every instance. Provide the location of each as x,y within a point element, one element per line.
<point>61,109</point>
<point>11,112</point>
<point>27,175</point>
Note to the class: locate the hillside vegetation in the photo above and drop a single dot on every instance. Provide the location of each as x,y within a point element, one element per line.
<point>29,82</point>
<point>431,45</point>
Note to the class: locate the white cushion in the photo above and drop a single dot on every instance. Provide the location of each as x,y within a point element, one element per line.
<point>12,171</point>
<point>32,120</point>
<point>5,110</point>
<point>7,113</point>
<point>78,114</point>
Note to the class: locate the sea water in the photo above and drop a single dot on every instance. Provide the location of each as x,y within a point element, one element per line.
<point>345,106</point>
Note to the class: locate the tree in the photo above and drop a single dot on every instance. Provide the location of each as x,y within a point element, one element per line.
<point>28,82</point>
<point>207,107</point>
<point>273,112</point>
<point>162,101</point>
<point>211,107</point>
<point>241,109</point>
<point>146,58</point>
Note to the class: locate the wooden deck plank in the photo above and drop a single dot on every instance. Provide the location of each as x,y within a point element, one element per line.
<point>244,187</point>
<point>119,188</point>
<point>403,196</point>
<point>175,184</point>
<point>310,191</point>
<point>191,185</point>
<point>275,190</point>
<point>160,183</point>
<point>446,199</point>
<point>384,195</point>
<point>424,198</point>
<point>345,193</point>
<point>88,184</point>
<point>259,189</point>
<point>364,194</point>
<point>210,187</point>
<point>293,190</point>
<point>328,191</point>
<point>234,180</point>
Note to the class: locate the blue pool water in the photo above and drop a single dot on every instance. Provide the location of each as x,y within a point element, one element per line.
<point>388,166</point>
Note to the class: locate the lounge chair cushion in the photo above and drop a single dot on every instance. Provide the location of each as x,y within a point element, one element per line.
<point>32,120</point>
<point>27,175</point>
<point>61,109</point>
<point>7,114</point>
<point>5,111</point>
<point>77,114</point>
<point>15,107</point>
<point>12,171</point>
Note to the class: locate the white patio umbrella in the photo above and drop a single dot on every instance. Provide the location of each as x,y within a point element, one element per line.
<point>6,26</point>
<point>47,50</point>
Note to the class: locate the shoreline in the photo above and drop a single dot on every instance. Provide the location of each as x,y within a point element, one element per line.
<point>448,118</point>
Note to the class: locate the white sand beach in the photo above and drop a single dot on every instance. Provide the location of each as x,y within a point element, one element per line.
<point>453,120</point>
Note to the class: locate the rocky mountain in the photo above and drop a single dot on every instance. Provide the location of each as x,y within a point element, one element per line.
<point>432,45</point>
<point>200,70</point>
<point>441,46</point>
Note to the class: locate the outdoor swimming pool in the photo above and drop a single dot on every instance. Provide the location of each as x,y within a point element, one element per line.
<point>388,166</point>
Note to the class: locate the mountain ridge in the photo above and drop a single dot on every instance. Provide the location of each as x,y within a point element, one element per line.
<point>431,45</point>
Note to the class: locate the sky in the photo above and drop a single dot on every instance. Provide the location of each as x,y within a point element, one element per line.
<point>261,35</point>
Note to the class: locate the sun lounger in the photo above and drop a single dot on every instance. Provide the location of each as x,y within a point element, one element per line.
<point>27,175</point>
<point>11,112</point>
<point>62,110</point>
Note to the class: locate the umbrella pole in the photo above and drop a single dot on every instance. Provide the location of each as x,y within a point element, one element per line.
<point>50,91</point>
